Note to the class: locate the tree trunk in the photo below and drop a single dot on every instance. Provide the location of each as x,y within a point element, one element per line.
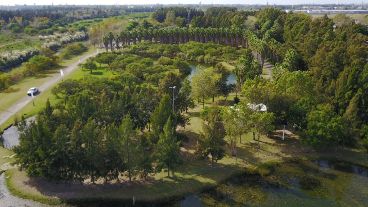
<point>203,102</point>
<point>168,171</point>
<point>130,175</point>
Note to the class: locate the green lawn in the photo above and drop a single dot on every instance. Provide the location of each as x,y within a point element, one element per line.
<point>21,41</point>
<point>5,156</point>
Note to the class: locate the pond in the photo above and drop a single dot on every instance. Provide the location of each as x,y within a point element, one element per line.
<point>10,136</point>
<point>311,183</point>
<point>231,79</point>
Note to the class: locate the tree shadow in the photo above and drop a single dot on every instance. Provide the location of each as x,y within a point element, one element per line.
<point>189,179</point>
<point>97,73</point>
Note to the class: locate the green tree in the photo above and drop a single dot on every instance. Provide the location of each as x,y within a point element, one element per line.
<point>247,68</point>
<point>212,138</point>
<point>204,84</point>
<point>263,123</point>
<point>170,18</point>
<point>184,99</point>
<point>237,121</point>
<point>89,65</point>
<point>106,58</point>
<point>292,61</point>
<point>326,128</point>
<point>168,149</point>
<point>129,145</point>
<point>160,116</point>
<point>60,160</point>
<point>145,157</point>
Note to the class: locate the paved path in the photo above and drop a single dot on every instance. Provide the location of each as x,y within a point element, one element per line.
<point>9,112</point>
<point>8,200</point>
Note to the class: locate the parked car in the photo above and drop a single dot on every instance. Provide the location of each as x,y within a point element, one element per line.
<point>33,91</point>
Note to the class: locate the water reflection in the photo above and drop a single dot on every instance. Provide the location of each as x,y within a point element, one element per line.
<point>231,79</point>
<point>291,184</point>
<point>191,201</point>
<point>342,166</point>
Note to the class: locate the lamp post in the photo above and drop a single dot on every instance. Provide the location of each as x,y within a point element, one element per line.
<point>173,98</point>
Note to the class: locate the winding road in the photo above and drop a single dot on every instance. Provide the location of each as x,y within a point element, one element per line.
<point>9,112</point>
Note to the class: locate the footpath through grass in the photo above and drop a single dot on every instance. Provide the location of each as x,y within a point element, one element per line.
<point>21,88</point>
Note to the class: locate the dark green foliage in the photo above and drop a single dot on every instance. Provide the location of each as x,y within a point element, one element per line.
<point>89,65</point>
<point>160,116</point>
<point>326,128</point>
<point>168,149</point>
<point>73,50</point>
<point>247,68</point>
<point>41,63</point>
<point>212,139</point>
<point>309,183</point>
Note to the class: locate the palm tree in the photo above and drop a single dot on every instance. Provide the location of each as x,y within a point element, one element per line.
<point>111,38</point>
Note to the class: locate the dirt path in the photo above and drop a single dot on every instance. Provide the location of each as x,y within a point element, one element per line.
<point>9,112</point>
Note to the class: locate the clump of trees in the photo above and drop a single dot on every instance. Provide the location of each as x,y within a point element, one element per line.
<point>317,65</point>
<point>41,63</point>
<point>98,134</point>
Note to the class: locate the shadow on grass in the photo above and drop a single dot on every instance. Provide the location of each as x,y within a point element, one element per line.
<point>97,73</point>
<point>10,90</point>
<point>191,178</point>
<point>194,114</point>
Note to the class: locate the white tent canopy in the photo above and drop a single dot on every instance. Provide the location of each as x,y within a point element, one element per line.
<point>257,107</point>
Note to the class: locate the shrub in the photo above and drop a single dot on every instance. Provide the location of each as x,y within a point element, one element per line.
<point>40,63</point>
<point>15,58</point>
<point>73,50</point>
<point>165,61</point>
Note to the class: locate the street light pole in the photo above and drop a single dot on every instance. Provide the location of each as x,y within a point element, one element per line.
<point>173,98</point>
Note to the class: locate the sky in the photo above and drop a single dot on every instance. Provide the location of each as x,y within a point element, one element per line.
<point>124,2</point>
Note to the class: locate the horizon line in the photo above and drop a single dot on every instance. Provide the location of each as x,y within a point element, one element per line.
<point>259,4</point>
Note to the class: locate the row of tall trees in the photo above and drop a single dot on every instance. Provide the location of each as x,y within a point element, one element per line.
<point>218,17</point>
<point>176,35</point>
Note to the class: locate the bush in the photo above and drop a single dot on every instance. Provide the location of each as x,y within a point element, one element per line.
<point>73,50</point>
<point>15,58</point>
<point>40,63</point>
<point>165,61</point>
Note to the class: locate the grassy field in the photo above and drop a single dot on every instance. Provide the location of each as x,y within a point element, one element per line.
<point>5,157</point>
<point>10,41</point>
